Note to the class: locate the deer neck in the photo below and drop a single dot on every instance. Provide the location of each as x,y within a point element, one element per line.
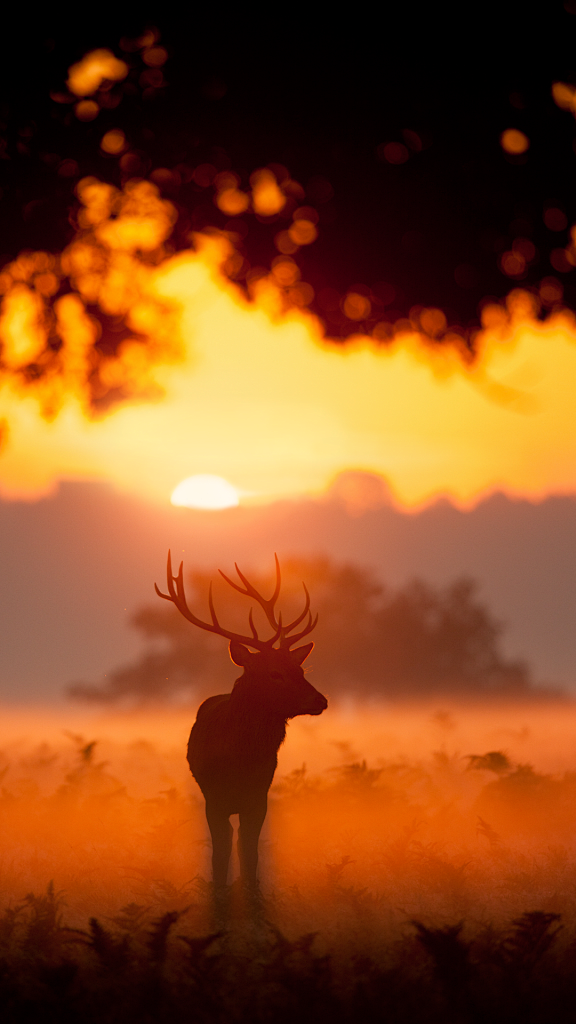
<point>262,725</point>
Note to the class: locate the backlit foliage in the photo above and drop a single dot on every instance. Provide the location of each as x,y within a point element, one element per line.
<point>86,325</point>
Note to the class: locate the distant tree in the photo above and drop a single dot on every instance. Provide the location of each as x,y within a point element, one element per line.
<point>370,640</point>
<point>447,640</point>
<point>179,661</point>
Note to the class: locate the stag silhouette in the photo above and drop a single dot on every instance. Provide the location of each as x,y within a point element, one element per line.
<point>233,746</point>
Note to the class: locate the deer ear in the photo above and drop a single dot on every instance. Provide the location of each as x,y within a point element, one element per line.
<point>240,655</point>
<point>301,653</point>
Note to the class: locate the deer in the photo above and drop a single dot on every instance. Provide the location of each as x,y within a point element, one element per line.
<point>234,742</point>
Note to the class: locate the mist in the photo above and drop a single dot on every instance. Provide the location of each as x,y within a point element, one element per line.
<point>77,566</point>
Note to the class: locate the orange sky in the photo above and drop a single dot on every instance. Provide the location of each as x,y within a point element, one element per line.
<point>261,399</point>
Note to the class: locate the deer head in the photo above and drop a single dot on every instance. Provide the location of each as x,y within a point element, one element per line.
<point>273,676</point>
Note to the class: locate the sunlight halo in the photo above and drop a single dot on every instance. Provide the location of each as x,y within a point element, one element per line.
<point>204,490</point>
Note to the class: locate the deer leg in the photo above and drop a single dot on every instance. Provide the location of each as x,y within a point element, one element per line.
<point>221,832</point>
<point>251,821</point>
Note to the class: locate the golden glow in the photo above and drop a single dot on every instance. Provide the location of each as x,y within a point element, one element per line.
<point>514,141</point>
<point>285,271</point>
<point>286,274</point>
<point>251,391</point>
<point>267,196</point>
<point>113,142</point>
<point>229,198</point>
<point>232,201</point>
<point>106,264</point>
<point>551,291</point>
<point>20,331</point>
<point>86,110</point>
<point>155,56</point>
<point>303,232</point>
<point>356,307</point>
<point>513,263</point>
<point>205,491</point>
<point>285,243</point>
<point>432,321</point>
<point>564,96</point>
<point>87,75</point>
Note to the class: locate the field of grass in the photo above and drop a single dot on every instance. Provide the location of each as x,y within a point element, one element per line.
<point>418,863</point>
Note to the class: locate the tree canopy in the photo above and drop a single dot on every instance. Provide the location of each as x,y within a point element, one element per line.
<point>370,640</point>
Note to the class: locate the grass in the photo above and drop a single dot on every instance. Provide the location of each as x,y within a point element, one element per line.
<point>433,885</point>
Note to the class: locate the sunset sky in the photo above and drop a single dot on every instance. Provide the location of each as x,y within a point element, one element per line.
<point>288,297</point>
<point>276,264</point>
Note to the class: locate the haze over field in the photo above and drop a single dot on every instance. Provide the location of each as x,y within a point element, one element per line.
<point>106,808</point>
<point>81,562</point>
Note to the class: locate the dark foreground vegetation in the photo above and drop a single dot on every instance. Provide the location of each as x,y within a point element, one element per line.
<point>140,968</point>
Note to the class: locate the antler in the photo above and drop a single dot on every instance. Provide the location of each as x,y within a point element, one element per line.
<point>267,605</point>
<point>178,597</point>
<point>287,641</point>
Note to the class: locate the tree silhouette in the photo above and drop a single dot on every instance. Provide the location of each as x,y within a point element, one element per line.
<point>370,640</point>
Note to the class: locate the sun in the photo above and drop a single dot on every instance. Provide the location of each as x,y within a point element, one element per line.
<point>205,491</point>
